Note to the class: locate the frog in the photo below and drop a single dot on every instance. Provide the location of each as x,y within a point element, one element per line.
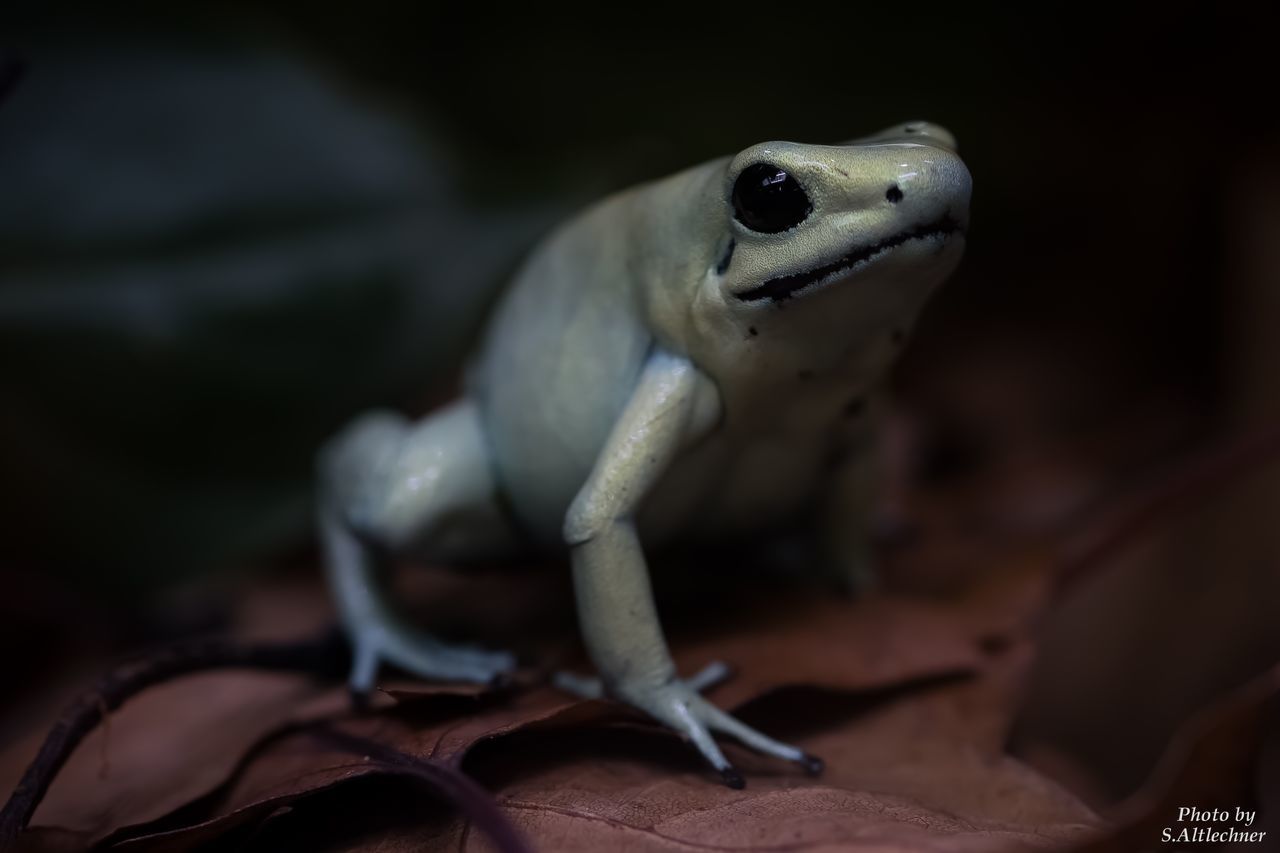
<point>693,360</point>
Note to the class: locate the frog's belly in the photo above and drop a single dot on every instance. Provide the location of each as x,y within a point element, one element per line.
<point>718,488</point>
<point>725,488</point>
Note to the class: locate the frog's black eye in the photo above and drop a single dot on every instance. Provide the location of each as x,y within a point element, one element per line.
<point>767,199</point>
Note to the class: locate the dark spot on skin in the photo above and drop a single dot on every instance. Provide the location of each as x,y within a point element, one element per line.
<point>911,128</point>
<point>899,337</point>
<point>841,171</point>
<point>804,374</point>
<point>894,194</point>
<point>723,266</point>
<point>752,331</point>
<point>854,407</point>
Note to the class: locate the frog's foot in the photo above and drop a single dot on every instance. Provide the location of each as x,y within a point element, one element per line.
<point>387,486</point>
<point>678,705</point>
<point>422,655</point>
<point>586,687</point>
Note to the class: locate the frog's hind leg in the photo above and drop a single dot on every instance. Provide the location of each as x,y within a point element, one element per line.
<point>388,486</point>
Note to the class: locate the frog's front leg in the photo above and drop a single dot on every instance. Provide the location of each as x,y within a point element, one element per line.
<point>388,486</point>
<point>615,601</point>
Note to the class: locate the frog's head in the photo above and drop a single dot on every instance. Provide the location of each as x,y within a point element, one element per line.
<point>834,241</point>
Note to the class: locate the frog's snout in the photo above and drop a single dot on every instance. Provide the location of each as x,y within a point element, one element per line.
<point>928,184</point>
<point>913,174</point>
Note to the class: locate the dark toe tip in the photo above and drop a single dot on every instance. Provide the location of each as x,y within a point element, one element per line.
<point>733,778</point>
<point>813,765</point>
<point>359,699</point>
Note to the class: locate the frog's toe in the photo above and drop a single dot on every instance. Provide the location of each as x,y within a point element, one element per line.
<point>697,720</point>
<point>681,708</point>
<point>585,687</point>
<point>424,657</point>
<point>440,662</point>
<point>723,723</point>
<point>709,676</point>
<point>582,686</point>
<point>488,659</point>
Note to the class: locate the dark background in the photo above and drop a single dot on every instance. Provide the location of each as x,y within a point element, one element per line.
<point>171,357</point>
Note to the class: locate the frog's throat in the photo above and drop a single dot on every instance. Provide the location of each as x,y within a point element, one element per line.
<point>786,286</point>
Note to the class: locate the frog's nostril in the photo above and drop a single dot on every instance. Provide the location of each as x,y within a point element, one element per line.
<point>894,193</point>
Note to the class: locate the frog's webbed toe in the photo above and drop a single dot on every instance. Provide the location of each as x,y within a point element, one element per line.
<point>679,705</point>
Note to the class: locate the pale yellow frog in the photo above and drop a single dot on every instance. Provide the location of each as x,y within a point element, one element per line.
<point>681,362</point>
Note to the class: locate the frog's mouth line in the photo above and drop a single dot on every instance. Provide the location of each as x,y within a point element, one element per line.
<point>785,286</point>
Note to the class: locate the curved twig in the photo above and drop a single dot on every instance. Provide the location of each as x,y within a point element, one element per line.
<point>326,656</point>
<point>472,801</point>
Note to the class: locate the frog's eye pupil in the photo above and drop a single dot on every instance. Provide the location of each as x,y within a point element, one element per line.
<point>767,199</point>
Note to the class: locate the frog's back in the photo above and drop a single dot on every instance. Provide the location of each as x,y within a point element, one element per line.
<point>559,358</point>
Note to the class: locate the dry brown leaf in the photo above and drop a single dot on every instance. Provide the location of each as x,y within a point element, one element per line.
<point>178,741</point>
<point>1182,610</point>
<point>801,657</point>
<point>298,763</point>
<point>914,769</point>
<point>778,641</point>
<point>169,746</point>
<point>1218,761</point>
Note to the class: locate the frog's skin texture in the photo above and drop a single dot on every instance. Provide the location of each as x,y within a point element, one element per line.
<point>687,359</point>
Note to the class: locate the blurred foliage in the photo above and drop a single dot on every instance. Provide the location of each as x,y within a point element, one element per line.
<point>209,258</point>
